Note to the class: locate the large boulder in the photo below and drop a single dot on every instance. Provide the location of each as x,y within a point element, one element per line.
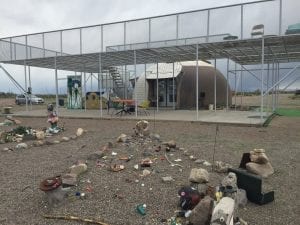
<point>258,156</point>
<point>263,170</point>
<point>199,175</point>
<point>201,214</point>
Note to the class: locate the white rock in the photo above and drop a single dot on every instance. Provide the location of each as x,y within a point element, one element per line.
<point>122,138</point>
<point>136,166</point>
<point>21,146</point>
<point>66,139</point>
<point>78,169</point>
<point>167,179</point>
<point>79,132</point>
<point>146,172</point>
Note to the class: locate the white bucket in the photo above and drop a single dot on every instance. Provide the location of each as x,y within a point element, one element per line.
<point>211,107</point>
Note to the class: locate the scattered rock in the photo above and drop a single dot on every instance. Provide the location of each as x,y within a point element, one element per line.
<point>221,167</point>
<point>79,132</point>
<point>258,156</point>
<point>263,170</point>
<point>155,137</point>
<point>199,175</point>
<point>241,198</point>
<point>21,146</point>
<point>40,135</point>
<point>117,168</point>
<point>122,138</point>
<point>38,143</point>
<point>69,179</point>
<point>136,166</point>
<point>56,142</point>
<point>206,163</point>
<point>78,169</point>
<point>6,149</point>
<point>65,139</point>
<point>146,173</point>
<point>223,212</point>
<point>199,161</point>
<point>73,137</point>
<point>96,155</point>
<point>167,179</point>
<point>230,180</point>
<point>200,215</point>
<point>170,144</point>
<point>142,128</point>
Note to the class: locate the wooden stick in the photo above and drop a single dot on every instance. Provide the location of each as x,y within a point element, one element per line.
<point>65,217</point>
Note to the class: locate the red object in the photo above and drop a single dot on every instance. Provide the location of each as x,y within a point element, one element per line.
<point>51,183</point>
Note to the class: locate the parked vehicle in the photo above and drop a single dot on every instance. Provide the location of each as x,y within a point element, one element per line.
<point>21,99</point>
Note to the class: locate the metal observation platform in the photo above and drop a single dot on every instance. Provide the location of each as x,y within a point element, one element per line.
<point>246,33</point>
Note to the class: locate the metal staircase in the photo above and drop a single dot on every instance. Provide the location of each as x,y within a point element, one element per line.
<point>118,83</point>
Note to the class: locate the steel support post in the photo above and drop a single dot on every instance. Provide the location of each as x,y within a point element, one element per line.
<point>207,29</point>
<point>235,87</point>
<point>29,80</point>
<point>100,87</point>
<point>56,84</point>
<point>215,85</point>
<point>242,93</point>
<point>242,20</point>
<point>157,87</point>
<point>26,95</point>
<point>135,96</point>
<point>125,83</point>
<point>227,84</point>
<point>262,79</point>
<point>280,17</point>
<point>145,86</point>
<point>84,94</point>
<point>268,76</point>
<point>173,89</point>
<point>273,101</point>
<point>197,82</point>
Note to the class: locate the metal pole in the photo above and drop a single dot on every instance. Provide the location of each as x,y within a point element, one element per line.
<point>149,38</point>
<point>173,89</point>
<point>80,41</point>
<point>135,96</point>
<point>124,34</point>
<point>61,44</point>
<point>197,81</point>
<point>101,87</point>
<point>177,27</point>
<point>84,77</point>
<point>268,74</point>
<point>56,85</point>
<point>26,95</point>
<point>125,83</point>
<point>242,93</point>
<point>29,77</point>
<point>207,29</point>
<point>273,102</point>
<point>145,94</point>
<point>227,85</point>
<point>280,17</point>
<point>242,19</point>
<point>262,80</point>
<point>235,88</point>
<point>215,85</point>
<point>157,87</point>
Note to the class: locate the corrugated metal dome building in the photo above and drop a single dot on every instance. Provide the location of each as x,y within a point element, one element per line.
<point>183,95</point>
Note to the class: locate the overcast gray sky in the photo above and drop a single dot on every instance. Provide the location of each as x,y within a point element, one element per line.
<point>29,16</point>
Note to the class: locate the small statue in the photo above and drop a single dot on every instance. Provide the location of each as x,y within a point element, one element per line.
<point>52,119</point>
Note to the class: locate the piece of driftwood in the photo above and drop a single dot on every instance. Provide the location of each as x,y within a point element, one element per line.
<point>75,218</point>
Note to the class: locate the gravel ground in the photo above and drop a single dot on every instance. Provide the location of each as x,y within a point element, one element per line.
<point>115,195</point>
